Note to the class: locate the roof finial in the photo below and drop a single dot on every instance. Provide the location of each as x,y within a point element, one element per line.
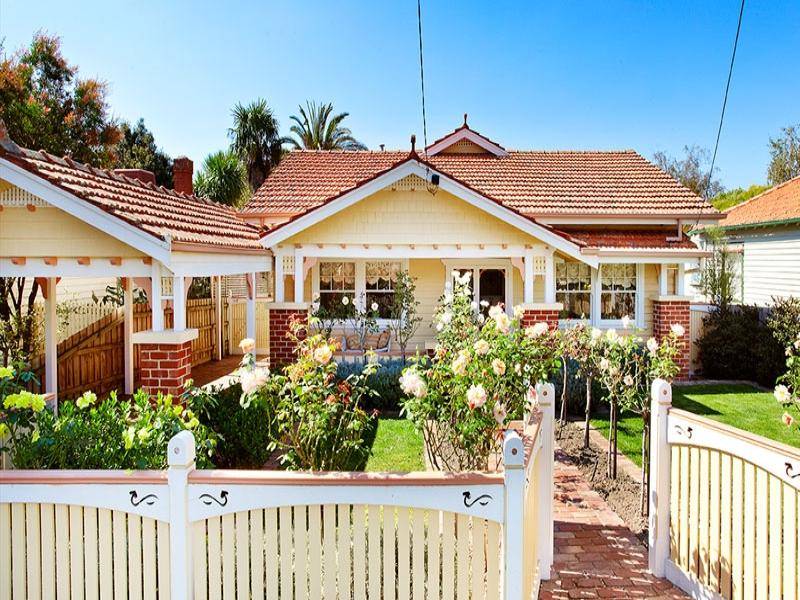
<point>413,143</point>
<point>465,120</point>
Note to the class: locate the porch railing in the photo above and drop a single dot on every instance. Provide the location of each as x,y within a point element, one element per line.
<point>187,533</point>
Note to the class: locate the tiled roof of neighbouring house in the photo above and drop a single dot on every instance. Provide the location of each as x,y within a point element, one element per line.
<point>156,210</point>
<point>777,204</point>
<point>534,183</point>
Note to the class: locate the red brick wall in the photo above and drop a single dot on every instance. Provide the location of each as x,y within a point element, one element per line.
<point>281,347</point>
<point>665,314</point>
<point>165,367</point>
<point>533,316</point>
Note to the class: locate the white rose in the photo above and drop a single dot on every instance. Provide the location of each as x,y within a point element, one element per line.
<point>503,322</point>
<point>412,384</point>
<point>447,316</point>
<point>448,298</point>
<point>345,300</point>
<point>374,306</point>
<point>495,311</point>
<point>247,345</point>
<point>604,364</point>
<point>596,333</point>
<point>499,367</point>
<point>499,411</point>
<point>484,303</point>
<point>677,329</point>
<point>518,312</point>
<point>481,347</point>
<point>481,318</point>
<point>782,394</point>
<point>323,354</point>
<point>652,345</point>
<point>537,330</point>
<point>439,326</point>
<point>476,396</point>
<point>473,305</point>
<point>628,380</point>
<point>612,336</point>
<point>626,321</point>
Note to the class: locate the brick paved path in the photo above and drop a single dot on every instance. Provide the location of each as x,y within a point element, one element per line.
<point>596,555</point>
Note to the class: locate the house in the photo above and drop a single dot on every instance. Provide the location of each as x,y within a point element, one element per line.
<point>569,235</point>
<point>60,219</point>
<point>765,233</point>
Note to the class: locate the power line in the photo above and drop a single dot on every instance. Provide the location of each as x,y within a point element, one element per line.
<point>725,100</point>
<point>422,75</point>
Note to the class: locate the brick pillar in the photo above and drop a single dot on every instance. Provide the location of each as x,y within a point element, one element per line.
<point>281,315</point>
<point>537,313</point>
<point>669,310</point>
<point>165,367</point>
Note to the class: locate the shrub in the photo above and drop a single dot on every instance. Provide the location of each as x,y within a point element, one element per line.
<point>87,434</point>
<point>737,344</point>
<point>245,435</point>
<point>784,320</point>
<point>787,392</point>
<point>384,383</point>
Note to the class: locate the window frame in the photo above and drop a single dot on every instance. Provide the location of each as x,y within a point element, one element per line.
<point>566,323</point>
<point>360,295</point>
<point>637,319</point>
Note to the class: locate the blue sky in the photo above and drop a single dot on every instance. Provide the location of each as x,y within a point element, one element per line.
<point>549,75</point>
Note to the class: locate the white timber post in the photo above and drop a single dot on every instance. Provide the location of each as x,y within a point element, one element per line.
<point>663,288</point>
<point>660,403</point>
<point>51,338</point>
<point>544,479</point>
<point>549,278</point>
<point>528,283</point>
<point>299,273</point>
<point>279,296</point>
<point>156,308</point>
<point>181,455</point>
<point>251,307</point>
<point>128,333</point>
<point>514,515</point>
<point>218,311</point>
<point>680,286</point>
<point>178,303</point>
<point>229,312</point>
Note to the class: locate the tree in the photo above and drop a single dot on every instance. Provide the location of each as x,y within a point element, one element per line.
<point>691,170</point>
<point>731,198</point>
<point>254,138</point>
<point>718,275</point>
<point>223,179</point>
<point>317,128</point>
<point>45,105</point>
<point>17,319</point>
<point>404,317</point>
<point>138,150</point>
<point>785,152</point>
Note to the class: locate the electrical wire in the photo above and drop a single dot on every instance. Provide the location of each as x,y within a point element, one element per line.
<point>725,100</point>
<point>422,76</point>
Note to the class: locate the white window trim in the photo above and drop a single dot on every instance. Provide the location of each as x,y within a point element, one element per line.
<point>361,279</point>
<point>476,265</point>
<point>567,323</point>
<point>637,319</point>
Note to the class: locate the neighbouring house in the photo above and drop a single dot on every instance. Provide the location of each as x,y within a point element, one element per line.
<point>62,220</point>
<point>765,234</point>
<point>569,235</point>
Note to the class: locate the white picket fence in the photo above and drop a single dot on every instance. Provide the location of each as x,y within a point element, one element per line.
<point>188,533</point>
<point>724,507</point>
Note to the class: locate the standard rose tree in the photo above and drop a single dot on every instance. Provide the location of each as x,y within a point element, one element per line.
<point>787,392</point>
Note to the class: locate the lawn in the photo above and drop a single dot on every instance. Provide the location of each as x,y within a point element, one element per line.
<point>740,406</point>
<point>397,447</point>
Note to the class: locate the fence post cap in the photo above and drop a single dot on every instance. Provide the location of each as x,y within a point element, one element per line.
<point>661,392</point>
<point>513,450</point>
<point>181,450</point>
<point>546,393</point>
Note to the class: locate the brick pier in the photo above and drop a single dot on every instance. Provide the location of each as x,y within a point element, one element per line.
<point>669,310</point>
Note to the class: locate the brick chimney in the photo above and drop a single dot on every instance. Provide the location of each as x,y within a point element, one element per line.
<point>182,171</point>
<point>140,174</point>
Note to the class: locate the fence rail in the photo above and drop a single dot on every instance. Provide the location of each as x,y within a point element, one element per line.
<point>724,509</point>
<point>187,533</point>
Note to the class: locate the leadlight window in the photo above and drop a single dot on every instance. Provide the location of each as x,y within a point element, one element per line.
<point>381,278</point>
<point>336,280</point>
<point>617,291</point>
<point>574,290</point>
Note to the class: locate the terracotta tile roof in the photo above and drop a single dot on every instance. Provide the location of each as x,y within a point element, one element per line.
<point>535,183</point>
<point>643,239</point>
<point>780,203</point>
<point>156,210</point>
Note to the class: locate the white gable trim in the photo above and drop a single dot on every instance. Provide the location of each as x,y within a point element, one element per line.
<point>85,211</point>
<point>413,167</point>
<point>469,135</point>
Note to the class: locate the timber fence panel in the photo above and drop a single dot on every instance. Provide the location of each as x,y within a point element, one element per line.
<point>184,533</point>
<point>729,508</point>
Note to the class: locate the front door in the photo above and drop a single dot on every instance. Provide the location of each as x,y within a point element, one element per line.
<point>491,288</point>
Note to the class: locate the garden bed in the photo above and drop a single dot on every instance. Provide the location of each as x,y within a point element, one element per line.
<point>621,494</point>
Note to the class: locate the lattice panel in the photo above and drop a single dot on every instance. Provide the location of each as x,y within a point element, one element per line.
<point>539,265</point>
<point>408,184</point>
<point>288,265</point>
<point>464,147</point>
<point>20,198</point>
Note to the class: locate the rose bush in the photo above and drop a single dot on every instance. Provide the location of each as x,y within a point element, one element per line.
<point>787,392</point>
<point>481,373</point>
<point>319,420</point>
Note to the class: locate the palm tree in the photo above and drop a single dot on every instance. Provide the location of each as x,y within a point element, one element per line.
<point>223,179</point>
<point>255,139</point>
<point>317,128</point>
